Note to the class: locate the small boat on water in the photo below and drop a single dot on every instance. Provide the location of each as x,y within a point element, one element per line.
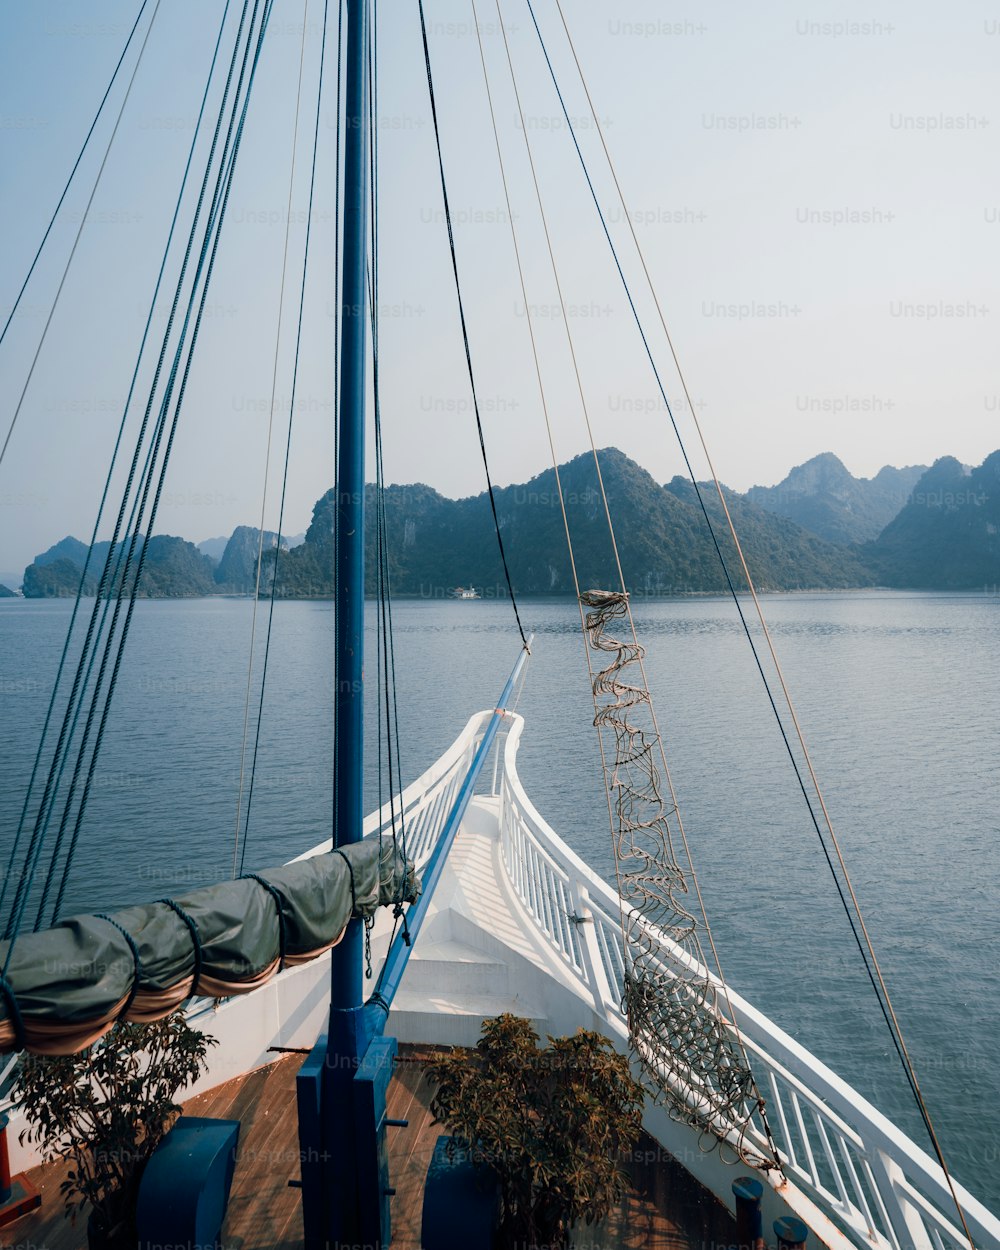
<point>507,918</point>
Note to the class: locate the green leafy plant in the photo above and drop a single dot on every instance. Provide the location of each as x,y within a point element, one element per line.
<point>106,1110</point>
<point>552,1123</point>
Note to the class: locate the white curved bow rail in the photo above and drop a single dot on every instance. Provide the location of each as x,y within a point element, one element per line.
<point>875,1184</point>
<point>866,1175</point>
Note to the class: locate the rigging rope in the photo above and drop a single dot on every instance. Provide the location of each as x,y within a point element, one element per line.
<point>866,947</point>
<point>337,324</point>
<point>72,252</point>
<point>388,689</point>
<point>461,314</point>
<point>60,668</point>
<point>723,1066</point>
<point>30,864</point>
<point>288,443</point>
<point>209,266</point>
<point>206,259</point>
<point>267,464</point>
<point>72,172</point>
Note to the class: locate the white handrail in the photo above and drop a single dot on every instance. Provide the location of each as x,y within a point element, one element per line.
<point>862,1171</point>
<point>425,803</point>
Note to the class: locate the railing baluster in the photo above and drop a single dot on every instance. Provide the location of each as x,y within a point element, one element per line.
<point>859,1193</point>
<point>831,1159</point>
<point>806,1144</point>
<point>779,1104</point>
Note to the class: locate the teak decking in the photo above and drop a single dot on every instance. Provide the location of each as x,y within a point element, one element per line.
<point>665,1210</point>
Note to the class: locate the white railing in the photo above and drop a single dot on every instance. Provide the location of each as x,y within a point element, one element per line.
<point>423,807</point>
<point>865,1174</point>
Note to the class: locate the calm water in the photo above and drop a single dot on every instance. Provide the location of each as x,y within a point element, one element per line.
<point>898,696</point>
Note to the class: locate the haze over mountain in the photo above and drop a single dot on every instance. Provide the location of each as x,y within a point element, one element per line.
<point>434,542</point>
<point>823,496</point>
<point>945,536</point>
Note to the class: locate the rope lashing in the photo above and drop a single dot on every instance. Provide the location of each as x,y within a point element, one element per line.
<point>136,962</point>
<point>195,938</point>
<point>278,907</point>
<point>350,871</point>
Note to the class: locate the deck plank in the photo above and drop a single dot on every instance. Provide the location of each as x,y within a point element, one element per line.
<point>665,1209</point>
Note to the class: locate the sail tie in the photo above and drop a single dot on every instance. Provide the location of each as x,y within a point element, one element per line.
<point>137,962</point>
<point>195,938</point>
<point>276,898</point>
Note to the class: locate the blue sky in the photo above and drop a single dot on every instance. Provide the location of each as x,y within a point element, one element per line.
<point>816,190</point>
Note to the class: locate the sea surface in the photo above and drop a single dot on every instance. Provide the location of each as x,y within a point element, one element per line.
<point>898,696</point>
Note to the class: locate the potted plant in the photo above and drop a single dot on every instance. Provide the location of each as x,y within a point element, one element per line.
<point>106,1110</point>
<point>552,1123</point>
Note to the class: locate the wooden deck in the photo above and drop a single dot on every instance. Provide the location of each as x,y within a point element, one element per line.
<point>665,1210</point>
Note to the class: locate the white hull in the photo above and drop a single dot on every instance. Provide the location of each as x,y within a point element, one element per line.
<point>498,937</point>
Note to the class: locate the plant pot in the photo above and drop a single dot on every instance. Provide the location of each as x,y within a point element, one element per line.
<point>102,1236</point>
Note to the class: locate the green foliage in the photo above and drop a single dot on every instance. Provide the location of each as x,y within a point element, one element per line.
<point>56,579</point>
<point>948,535</point>
<point>552,1124</point>
<point>107,1108</point>
<point>173,569</point>
<point>434,543</point>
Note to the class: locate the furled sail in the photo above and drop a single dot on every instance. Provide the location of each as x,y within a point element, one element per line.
<point>66,986</point>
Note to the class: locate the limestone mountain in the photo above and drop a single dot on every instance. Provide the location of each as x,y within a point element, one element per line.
<point>947,537</point>
<point>173,568</point>
<point>824,497</point>
<point>237,570</point>
<point>433,543</point>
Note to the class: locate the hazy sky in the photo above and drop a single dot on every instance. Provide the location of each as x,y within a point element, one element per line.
<point>817,190</point>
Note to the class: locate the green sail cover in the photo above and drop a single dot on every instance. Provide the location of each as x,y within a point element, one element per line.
<point>72,981</point>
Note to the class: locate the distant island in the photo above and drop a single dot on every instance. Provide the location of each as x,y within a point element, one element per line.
<point>935,528</point>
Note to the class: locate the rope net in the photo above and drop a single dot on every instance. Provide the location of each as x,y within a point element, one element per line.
<point>688,1052</point>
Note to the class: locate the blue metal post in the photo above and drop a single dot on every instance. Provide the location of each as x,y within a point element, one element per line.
<point>348,1035</point>
<point>349,719</point>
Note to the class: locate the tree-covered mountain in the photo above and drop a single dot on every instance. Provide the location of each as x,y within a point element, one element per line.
<point>824,497</point>
<point>780,553</point>
<point>947,537</point>
<point>173,568</point>
<point>663,542</point>
<point>6,592</point>
<point>56,579</point>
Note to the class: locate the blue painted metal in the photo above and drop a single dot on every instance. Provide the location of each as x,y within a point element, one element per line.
<point>399,952</point>
<point>790,1233</point>
<point>344,1172</point>
<point>185,1186</point>
<point>371,1085</point>
<point>313,1155</point>
<point>458,1196</point>
<point>748,1191</point>
<point>346,986</point>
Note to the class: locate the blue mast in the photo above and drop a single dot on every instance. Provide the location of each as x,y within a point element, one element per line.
<point>346,987</point>
<point>337,1178</point>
